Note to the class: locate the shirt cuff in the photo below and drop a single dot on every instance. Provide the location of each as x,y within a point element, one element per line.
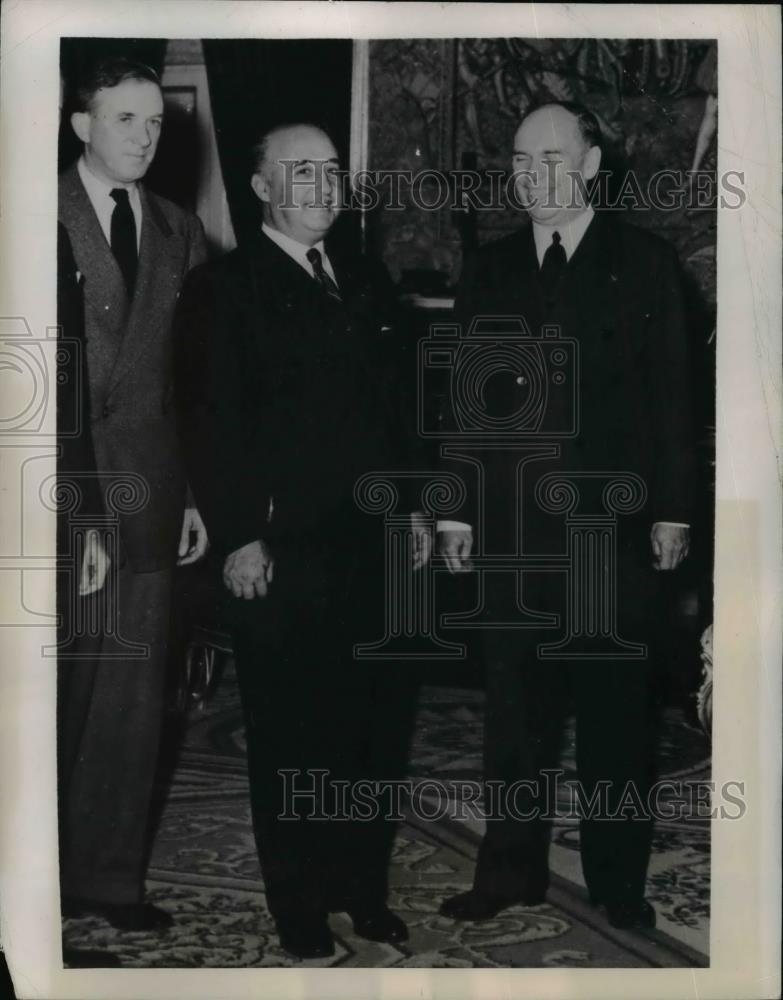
<point>452,526</point>
<point>673,524</point>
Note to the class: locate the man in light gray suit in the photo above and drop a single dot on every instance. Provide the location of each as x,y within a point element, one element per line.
<point>133,251</point>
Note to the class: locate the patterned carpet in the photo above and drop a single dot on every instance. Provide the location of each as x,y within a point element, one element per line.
<point>204,869</point>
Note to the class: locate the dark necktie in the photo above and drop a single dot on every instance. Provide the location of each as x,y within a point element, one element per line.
<point>323,279</point>
<point>552,267</point>
<point>123,237</point>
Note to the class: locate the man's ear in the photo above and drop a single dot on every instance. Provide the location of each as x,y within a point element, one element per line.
<point>260,187</point>
<point>80,122</point>
<point>592,162</point>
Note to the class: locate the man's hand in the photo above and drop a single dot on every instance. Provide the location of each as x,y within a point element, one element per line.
<point>95,564</point>
<point>455,547</point>
<point>422,540</point>
<point>249,571</point>
<point>670,544</point>
<point>191,551</point>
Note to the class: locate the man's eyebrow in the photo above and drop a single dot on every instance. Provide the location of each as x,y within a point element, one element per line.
<point>546,152</point>
<point>304,163</point>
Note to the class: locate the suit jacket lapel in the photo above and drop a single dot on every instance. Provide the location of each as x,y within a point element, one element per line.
<point>344,272</point>
<point>587,305</point>
<point>160,270</point>
<point>362,298</point>
<point>277,276</point>
<point>104,288</point>
<point>587,282</point>
<point>518,273</point>
<point>520,265</point>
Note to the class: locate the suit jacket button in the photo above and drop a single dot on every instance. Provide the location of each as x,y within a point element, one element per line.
<point>106,308</point>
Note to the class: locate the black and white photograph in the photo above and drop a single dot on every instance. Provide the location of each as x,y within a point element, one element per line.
<point>392,458</point>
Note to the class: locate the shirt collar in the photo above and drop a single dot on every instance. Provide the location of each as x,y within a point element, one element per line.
<point>293,247</point>
<point>571,234</point>
<point>97,188</point>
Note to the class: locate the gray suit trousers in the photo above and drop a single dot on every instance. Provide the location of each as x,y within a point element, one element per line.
<point>110,712</point>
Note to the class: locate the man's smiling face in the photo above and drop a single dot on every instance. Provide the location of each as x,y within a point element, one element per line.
<point>298,183</point>
<point>548,147</point>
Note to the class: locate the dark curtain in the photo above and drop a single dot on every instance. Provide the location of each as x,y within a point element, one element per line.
<point>257,84</point>
<point>76,57</point>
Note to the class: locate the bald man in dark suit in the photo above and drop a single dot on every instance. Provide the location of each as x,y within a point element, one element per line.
<point>615,291</point>
<point>288,398</point>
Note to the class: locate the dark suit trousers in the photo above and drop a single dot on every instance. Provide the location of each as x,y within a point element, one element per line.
<point>528,699</point>
<point>110,708</point>
<point>310,705</point>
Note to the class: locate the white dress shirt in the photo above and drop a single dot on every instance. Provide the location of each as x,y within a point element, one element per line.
<point>99,193</point>
<point>298,251</point>
<point>571,234</point>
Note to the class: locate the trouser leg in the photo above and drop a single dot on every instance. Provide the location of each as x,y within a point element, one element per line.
<point>311,707</point>
<point>614,761</point>
<point>119,699</point>
<point>615,718</point>
<point>374,757</point>
<point>523,729</point>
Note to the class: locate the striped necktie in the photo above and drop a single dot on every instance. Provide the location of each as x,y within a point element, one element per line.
<point>323,279</point>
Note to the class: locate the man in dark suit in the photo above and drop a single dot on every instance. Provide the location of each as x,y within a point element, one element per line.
<point>616,291</point>
<point>132,251</point>
<point>286,400</point>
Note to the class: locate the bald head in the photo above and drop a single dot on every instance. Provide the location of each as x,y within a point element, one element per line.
<point>297,181</point>
<point>275,143</point>
<point>553,147</point>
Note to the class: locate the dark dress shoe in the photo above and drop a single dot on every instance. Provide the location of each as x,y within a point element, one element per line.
<point>476,905</point>
<point>378,924</point>
<point>123,916</point>
<point>626,916</point>
<point>305,937</point>
<point>88,958</point>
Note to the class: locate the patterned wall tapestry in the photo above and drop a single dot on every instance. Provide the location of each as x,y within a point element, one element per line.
<point>449,103</point>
